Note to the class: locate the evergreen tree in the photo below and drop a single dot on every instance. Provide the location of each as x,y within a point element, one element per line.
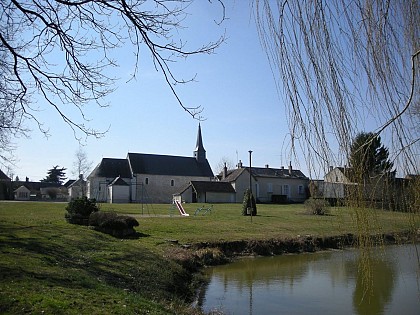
<point>55,175</point>
<point>249,203</point>
<point>368,157</point>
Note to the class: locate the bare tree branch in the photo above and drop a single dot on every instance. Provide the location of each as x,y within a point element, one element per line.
<point>64,48</point>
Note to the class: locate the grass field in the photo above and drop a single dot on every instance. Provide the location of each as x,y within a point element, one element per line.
<point>49,266</point>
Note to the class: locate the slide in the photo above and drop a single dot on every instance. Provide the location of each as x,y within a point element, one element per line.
<point>181,209</point>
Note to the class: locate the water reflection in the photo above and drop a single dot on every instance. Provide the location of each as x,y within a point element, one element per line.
<point>329,283</point>
<point>374,283</point>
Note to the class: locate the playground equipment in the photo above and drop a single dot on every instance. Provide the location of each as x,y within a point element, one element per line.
<point>203,210</point>
<point>181,209</point>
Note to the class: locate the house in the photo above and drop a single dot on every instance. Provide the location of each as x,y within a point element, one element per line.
<point>337,184</point>
<point>151,178</point>
<point>27,190</point>
<point>76,188</point>
<point>382,191</point>
<point>22,193</point>
<point>268,184</point>
<point>5,186</point>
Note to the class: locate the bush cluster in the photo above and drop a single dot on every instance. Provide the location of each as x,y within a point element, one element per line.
<point>79,210</point>
<point>112,223</point>
<point>317,206</point>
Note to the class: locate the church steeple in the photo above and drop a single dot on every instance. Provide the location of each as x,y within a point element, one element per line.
<point>199,152</point>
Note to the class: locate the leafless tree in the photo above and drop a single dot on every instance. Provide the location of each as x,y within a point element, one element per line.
<point>338,62</point>
<point>81,163</point>
<point>224,161</point>
<point>62,50</point>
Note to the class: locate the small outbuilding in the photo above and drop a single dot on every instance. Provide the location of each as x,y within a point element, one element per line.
<point>118,191</point>
<point>206,192</point>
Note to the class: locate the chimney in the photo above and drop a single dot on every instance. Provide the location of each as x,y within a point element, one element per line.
<point>331,168</point>
<point>224,172</point>
<point>81,176</point>
<point>27,179</point>
<point>282,168</point>
<point>290,168</point>
<point>267,166</point>
<point>240,164</point>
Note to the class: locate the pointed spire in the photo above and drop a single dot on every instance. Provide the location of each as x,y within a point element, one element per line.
<point>199,153</point>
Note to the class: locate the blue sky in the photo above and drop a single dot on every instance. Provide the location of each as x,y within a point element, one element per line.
<point>235,86</point>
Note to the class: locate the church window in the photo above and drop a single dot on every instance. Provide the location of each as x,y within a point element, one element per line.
<point>172,182</point>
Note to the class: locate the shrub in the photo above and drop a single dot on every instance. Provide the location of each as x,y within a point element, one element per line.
<point>317,206</point>
<point>249,202</point>
<point>79,210</point>
<point>52,193</point>
<point>112,223</point>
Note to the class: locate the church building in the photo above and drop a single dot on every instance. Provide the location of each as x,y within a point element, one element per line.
<point>147,178</point>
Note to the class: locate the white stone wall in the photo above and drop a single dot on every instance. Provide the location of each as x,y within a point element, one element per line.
<point>97,188</point>
<point>335,176</point>
<point>268,186</point>
<point>159,188</point>
<point>118,194</point>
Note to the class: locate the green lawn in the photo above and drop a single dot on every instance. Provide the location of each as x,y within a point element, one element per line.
<point>50,266</point>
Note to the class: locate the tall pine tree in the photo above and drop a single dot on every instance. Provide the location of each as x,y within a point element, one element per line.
<point>55,175</point>
<point>368,157</point>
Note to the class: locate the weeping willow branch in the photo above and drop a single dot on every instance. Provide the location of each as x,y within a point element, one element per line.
<point>343,68</point>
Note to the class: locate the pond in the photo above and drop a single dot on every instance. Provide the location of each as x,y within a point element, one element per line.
<point>333,282</point>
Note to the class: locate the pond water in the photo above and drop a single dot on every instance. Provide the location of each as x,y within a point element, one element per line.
<point>333,282</point>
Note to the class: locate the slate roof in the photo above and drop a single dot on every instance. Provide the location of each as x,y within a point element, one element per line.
<point>222,187</point>
<point>112,168</point>
<point>3,176</point>
<point>205,186</point>
<point>74,183</point>
<point>276,172</point>
<point>69,183</point>
<point>118,182</point>
<point>154,164</point>
<point>232,175</point>
<point>35,186</point>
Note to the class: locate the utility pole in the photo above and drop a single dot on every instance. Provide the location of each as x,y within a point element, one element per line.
<point>250,181</point>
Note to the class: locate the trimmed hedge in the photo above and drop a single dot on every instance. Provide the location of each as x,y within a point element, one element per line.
<point>113,224</point>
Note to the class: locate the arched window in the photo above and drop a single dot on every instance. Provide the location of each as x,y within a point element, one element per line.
<point>172,182</point>
<point>146,181</point>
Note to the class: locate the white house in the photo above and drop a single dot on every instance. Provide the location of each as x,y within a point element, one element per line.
<point>268,185</point>
<point>22,193</point>
<point>77,188</point>
<point>277,185</point>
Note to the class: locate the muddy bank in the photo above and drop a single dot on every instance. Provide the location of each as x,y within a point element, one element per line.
<point>197,255</point>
